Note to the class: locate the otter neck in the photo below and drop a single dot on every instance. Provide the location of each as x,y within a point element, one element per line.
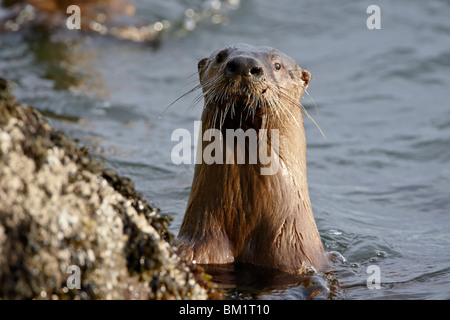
<point>236,201</point>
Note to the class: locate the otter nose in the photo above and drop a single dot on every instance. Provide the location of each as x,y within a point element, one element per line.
<point>245,66</point>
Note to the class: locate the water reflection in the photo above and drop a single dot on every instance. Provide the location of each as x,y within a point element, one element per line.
<point>247,281</point>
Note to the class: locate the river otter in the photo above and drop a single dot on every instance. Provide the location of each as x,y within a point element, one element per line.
<point>235,213</point>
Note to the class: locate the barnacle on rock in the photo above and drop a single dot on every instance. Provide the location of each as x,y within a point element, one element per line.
<point>60,208</point>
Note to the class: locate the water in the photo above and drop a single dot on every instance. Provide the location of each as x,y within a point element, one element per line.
<point>380,181</point>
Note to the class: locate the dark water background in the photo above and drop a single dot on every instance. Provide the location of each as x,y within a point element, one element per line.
<point>380,181</point>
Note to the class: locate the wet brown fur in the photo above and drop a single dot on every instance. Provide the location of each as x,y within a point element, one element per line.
<point>234,213</point>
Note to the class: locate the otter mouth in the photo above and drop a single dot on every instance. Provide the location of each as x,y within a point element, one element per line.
<point>242,100</point>
<point>239,91</point>
<point>237,98</point>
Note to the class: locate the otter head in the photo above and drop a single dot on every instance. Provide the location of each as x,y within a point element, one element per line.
<point>243,79</point>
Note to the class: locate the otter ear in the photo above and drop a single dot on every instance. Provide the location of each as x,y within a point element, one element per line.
<point>306,77</point>
<point>201,64</point>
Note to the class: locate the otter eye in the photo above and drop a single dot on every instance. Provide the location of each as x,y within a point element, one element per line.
<point>277,66</point>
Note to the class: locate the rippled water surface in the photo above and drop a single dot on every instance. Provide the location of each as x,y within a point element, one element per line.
<point>380,181</point>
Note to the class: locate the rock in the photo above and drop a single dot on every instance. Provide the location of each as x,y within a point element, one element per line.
<point>61,211</point>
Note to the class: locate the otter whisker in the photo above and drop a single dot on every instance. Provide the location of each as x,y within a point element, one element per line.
<point>284,109</point>
<point>210,83</point>
<point>314,103</point>
<point>314,122</point>
<point>225,113</point>
<point>275,106</point>
<point>179,98</point>
<point>298,103</point>
<point>197,99</point>
<point>213,125</point>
